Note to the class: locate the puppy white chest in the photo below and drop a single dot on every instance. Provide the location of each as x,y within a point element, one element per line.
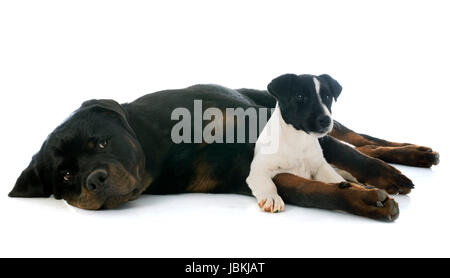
<point>291,151</point>
<point>299,158</point>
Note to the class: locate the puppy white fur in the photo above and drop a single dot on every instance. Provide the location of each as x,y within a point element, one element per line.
<point>298,153</point>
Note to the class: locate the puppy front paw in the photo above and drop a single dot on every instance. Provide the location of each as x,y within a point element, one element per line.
<point>270,203</point>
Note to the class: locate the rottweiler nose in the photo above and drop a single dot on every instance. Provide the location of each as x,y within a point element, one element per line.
<point>97,180</point>
<point>323,121</point>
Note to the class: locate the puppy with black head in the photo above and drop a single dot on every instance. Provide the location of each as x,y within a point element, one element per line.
<point>289,142</point>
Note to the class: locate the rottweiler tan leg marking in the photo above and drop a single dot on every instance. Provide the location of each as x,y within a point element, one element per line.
<point>391,152</point>
<point>411,155</point>
<point>365,169</point>
<point>357,199</point>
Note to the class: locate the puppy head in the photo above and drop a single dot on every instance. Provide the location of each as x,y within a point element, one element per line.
<point>93,160</point>
<point>305,101</point>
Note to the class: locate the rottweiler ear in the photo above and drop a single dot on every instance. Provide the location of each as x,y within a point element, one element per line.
<point>280,86</point>
<point>29,183</point>
<point>335,87</point>
<point>111,106</point>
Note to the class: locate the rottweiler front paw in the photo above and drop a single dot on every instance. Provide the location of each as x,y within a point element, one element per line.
<point>370,202</point>
<point>386,177</point>
<point>421,156</point>
<point>411,155</point>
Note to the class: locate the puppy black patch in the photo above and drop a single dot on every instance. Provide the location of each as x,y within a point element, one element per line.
<point>299,103</point>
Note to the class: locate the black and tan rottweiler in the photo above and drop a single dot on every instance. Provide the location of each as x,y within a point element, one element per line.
<point>108,153</point>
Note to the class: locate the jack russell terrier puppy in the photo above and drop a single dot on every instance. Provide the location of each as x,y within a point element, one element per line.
<point>289,142</point>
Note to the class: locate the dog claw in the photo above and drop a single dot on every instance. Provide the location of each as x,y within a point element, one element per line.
<point>436,159</point>
<point>382,196</point>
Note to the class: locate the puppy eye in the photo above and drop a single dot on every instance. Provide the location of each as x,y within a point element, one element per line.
<point>301,98</point>
<point>67,176</point>
<point>102,144</point>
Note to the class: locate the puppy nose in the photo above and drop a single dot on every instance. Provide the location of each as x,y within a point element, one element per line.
<point>323,121</point>
<point>97,180</point>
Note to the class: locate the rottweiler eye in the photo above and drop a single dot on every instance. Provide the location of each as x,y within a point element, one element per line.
<point>102,144</point>
<point>67,176</point>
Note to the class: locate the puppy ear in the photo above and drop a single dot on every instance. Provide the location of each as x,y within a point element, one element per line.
<point>280,87</point>
<point>30,182</point>
<point>335,87</point>
<point>111,106</point>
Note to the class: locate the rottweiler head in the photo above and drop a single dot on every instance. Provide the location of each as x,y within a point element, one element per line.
<point>305,101</point>
<point>93,160</point>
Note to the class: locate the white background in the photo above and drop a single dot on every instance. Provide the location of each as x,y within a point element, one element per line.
<point>391,57</point>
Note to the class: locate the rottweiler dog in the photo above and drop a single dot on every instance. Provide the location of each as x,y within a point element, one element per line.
<point>106,154</point>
